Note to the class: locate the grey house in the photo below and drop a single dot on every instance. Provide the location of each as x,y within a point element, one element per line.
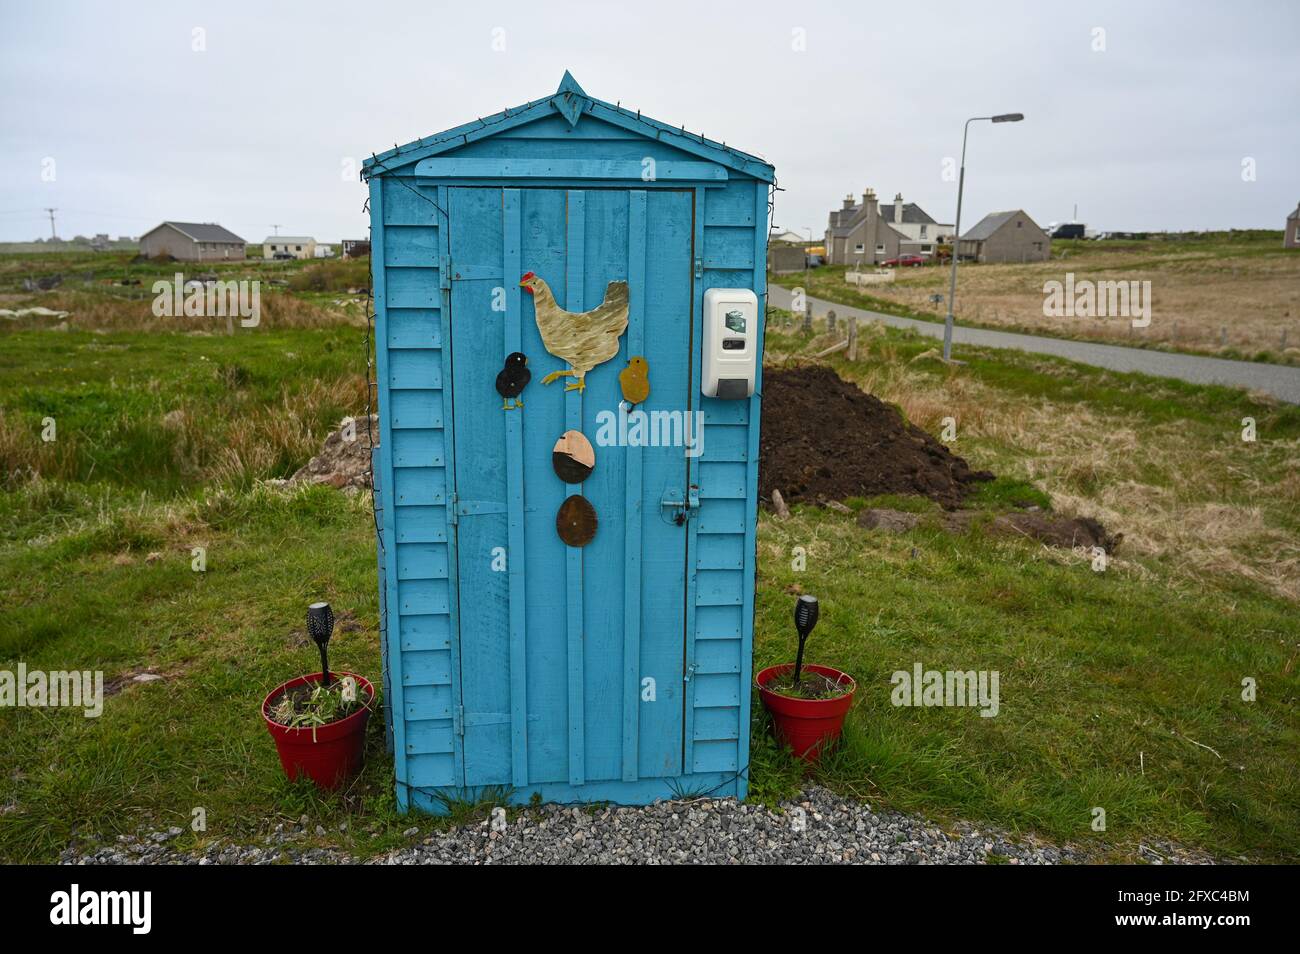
<point>192,242</point>
<point>1291,236</point>
<point>1006,237</point>
<point>870,233</point>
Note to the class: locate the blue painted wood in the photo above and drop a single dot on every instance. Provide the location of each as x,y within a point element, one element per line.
<point>532,677</point>
<point>632,507</point>
<point>695,363</point>
<point>575,246</point>
<point>759,276</point>
<point>606,170</point>
<point>511,251</point>
<point>388,582</point>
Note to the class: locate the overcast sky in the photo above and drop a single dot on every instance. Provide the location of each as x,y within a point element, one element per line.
<point>112,115</point>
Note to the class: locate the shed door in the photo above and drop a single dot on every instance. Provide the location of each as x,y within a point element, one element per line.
<point>570,659</point>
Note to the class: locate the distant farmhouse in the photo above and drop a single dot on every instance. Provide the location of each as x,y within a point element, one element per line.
<point>868,232</point>
<point>1006,237</point>
<point>192,242</point>
<point>791,238</point>
<point>356,248</point>
<point>1291,237</point>
<point>288,246</point>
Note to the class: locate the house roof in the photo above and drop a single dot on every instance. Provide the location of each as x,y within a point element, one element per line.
<point>571,102</point>
<point>843,221</point>
<point>992,222</point>
<point>912,214</point>
<point>1295,214</point>
<point>287,240</point>
<point>202,232</point>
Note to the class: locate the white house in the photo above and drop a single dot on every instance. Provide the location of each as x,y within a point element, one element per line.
<point>295,246</point>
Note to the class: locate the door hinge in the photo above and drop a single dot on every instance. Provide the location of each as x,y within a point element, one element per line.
<point>690,671</point>
<point>699,268</point>
<point>444,272</point>
<point>452,517</point>
<point>458,720</point>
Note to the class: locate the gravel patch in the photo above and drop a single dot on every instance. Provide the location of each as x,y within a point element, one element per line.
<point>819,828</point>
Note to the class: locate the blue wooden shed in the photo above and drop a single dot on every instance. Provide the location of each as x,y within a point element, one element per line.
<point>619,670</point>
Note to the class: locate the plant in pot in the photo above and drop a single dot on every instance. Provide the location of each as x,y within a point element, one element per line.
<point>807,702</point>
<point>319,720</point>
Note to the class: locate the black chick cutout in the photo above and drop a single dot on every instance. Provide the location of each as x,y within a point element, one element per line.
<point>512,379</point>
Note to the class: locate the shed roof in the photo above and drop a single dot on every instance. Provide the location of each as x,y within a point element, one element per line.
<point>990,224</point>
<point>202,232</point>
<point>571,102</point>
<point>287,239</point>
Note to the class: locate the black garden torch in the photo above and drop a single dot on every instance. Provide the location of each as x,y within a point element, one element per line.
<point>320,627</point>
<point>806,610</point>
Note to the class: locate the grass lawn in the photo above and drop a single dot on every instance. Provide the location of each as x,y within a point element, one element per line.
<point>1119,690</point>
<point>1244,282</point>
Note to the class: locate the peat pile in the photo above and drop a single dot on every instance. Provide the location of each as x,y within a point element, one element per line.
<point>824,438</point>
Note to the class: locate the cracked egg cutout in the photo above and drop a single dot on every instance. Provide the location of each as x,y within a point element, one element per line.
<point>573,457</point>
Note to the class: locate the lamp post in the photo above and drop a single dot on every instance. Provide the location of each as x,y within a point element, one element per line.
<point>956,238</point>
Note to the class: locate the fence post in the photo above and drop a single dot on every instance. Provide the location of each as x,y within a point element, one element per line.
<point>853,338</point>
<point>807,316</point>
<point>830,321</point>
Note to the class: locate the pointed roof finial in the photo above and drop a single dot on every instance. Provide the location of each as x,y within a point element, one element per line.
<point>570,99</point>
<point>569,85</point>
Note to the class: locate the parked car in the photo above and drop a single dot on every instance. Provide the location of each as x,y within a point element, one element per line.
<point>904,261</point>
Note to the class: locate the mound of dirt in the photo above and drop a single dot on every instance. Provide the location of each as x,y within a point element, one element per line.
<point>1049,529</point>
<point>824,438</point>
<point>344,460</point>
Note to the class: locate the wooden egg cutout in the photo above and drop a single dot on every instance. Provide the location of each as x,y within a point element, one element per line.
<point>573,457</point>
<point>576,521</point>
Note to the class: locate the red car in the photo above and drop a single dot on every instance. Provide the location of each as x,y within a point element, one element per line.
<point>903,261</point>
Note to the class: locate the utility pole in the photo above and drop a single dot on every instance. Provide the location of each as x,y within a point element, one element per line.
<point>53,233</point>
<point>277,230</point>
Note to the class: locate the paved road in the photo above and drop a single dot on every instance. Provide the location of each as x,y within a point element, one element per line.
<point>1280,381</point>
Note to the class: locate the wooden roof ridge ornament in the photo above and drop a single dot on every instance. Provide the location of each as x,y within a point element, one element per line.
<point>570,99</point>
<point>573,457</point>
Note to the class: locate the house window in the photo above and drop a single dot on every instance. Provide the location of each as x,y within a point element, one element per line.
<point>297,248</point>
<point>859,248</point>
<point>923,231</point>
<point>927,249</point>
<point>1019,224</point>
<point>880,250</point>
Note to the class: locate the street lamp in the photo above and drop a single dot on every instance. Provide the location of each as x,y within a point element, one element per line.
<point>956,238</point>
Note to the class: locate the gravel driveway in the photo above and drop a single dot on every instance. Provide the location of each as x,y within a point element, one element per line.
<point>821,828</point>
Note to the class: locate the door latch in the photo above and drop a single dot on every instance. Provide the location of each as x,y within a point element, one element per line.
<point>678,507</point>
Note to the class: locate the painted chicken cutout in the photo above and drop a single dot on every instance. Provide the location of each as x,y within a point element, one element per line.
<point>584,339</point>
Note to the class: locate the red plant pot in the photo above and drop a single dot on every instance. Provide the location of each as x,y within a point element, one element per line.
<point>808,726</point>
<point>329,755</point>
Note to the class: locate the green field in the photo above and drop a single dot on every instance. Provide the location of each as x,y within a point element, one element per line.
<point>1120,689</point>
<point>1229,294</point>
